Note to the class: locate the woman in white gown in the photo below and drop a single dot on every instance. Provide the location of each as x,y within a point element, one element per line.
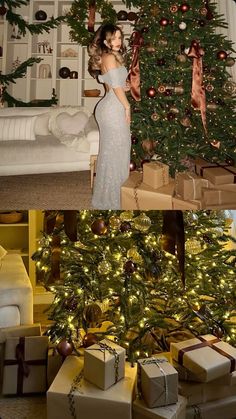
<point>113,117</point>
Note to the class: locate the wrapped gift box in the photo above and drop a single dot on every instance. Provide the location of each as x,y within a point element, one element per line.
<point>216,173</point>
<point>202,164</point>
<point>25,365</point>
<point>197,393</point>
<point>218,197</point>
<point>180,204</point>
<point>104,363</point>
<point>54,363</point>
<point>158,381</point>
<point>172,411</point>
<point>155,174</point>
<point>70,395</point>
<point>218,409</point>
<point>136,195</point>
<point>206,356</point>
<point>189,186</point>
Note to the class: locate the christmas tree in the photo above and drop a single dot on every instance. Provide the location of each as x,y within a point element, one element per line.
<point>127,274</point>
<point>9,9</point>
<point>185,106</point>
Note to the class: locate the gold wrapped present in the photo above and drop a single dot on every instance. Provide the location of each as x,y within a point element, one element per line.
<point>25,365</point>
<point>158,381</point>
<point>155,174</point>
<point>197,393</point>
<point>136,195</point>
<point>206,356</point>
<point>172,411</point>
<point>189,186</point>
<point>218,409</point>
<point>70,395</point>
<point>217,197</point>
<point>104,363</point>
<point>181,204</point>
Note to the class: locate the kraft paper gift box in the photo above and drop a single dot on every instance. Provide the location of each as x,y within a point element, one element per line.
<point>25,365</point>
<point>104,363</point>
<point>172,411</point>
<point>181,204</point>
<point>70,395</point>
<point>197,393</point>
<point>155,174</point>
<point>206,356</point>
<point>217,409</point>
<point>158,381</point>
<point>54,363</point>
<point>201,165</point>
<point>136,195</point>
<point>218,197</point>
<point>189,186</point>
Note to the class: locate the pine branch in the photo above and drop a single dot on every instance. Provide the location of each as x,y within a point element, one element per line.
<point>14,18</point>
<point>19,72</point>
<point>14,3</point>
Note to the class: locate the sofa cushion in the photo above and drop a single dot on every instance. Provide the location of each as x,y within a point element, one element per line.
<point>71,124</point>
<point>17,128</point>
<point>41,124</point>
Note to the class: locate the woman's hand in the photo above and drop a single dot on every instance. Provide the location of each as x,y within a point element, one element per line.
<point>127,86</point>
<point>128,115</point>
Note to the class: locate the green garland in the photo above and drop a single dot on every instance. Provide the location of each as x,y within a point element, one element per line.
<point>19,72</point>
<point>77,19</point>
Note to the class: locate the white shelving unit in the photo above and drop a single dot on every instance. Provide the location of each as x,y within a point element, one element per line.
<point>43,77</point>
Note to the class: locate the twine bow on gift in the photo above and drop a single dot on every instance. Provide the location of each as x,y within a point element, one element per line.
<point>157,362</point>
<point>134,71</point>
<point>198,95</point>
<point>103,347</point>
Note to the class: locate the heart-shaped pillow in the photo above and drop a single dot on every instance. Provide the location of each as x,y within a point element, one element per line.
<point>71,124</point>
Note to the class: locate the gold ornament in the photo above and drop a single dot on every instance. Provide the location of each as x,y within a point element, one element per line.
<point>114,222</point>
<point>209,88</point>
<point>179,90</point>
<point>163,41</point>
<point>150,48</point>
<point>104,267</point>
<point>229,87</point>
<point>134,255</point>
<point>92,313</point>
<point>155,10</point>
<point>161,88</point>
<point>193,246</point>
<point>203,11</point>
<point>215,143</point>
<point>126,215</point>
<point>148,146</point>
<point>155,116</point>
<point>142,222</point>
<point>174,8</point>
<point>212,106</point>
<point>185,121</point>
<point>230,61</point>
<point>181,58</point>
<point>174,110</point>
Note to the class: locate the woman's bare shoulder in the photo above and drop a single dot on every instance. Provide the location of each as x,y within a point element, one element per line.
<point>109,61</point>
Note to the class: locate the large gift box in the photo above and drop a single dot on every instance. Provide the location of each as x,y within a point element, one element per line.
<point>181,204</point>
<point>172,411</point>
<point>158,381</point>
<point>197,393</point>
<point>186,375</point>
<point>189,186</point>
<point>54,363</point>
<point>70,395</point>
<point>137,195</point>
<point>218,409</point>
<point>216,173</point>
<point>104,363</point>
<point>25,365</point>
<point>206,356</point>
<point>155,174</point>
<point>218,197</point>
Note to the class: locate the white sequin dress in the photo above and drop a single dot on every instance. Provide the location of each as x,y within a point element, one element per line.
<point>114,148</point>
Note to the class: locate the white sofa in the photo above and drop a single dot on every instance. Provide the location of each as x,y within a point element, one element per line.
<point>31,141</point>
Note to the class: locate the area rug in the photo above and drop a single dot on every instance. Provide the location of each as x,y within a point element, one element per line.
<point>46,191</point>
<point>23,407</point>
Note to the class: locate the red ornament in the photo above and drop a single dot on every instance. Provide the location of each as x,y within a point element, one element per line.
<point>184,7</point>
<point>163,21</point>
<point>65,347</point>
<point>3,11</point>
<point>221,55</point>
<point>99,227</point>
<point>201,22</point>
<point>161,61</point>
<point>89,340</point>
<point>151,92</point>
<point>125,226</point>
<point>144,30</point>
<point>171,116</point>
<point>134,140</point>
<point>132,166</point>
<point>168,92</point>
<point>129,267</point>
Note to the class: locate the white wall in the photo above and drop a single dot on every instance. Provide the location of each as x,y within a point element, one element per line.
<point>228,9</point>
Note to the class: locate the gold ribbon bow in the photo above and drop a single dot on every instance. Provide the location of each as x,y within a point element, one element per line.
<point>134,71</point>
<point>198,94</point>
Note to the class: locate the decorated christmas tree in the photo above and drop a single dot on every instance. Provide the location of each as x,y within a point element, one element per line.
<point>185,106</point>
<point>9,10</point>
<point>143,278</point>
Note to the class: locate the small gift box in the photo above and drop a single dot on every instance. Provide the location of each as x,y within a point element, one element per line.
<point>189,186</point>
<point>197,393</point>
<point>218,409</point>
<point>104,363</point>
<point>206,356</point>
<point>71,396</point>
<point>137,195</point>
<point>216,173</point>
<point>158,381</point>
<point>218,197</point>
<point>172,411</point>
<point>54,363</point>
<point>155,174</point>
<point>25,365</point>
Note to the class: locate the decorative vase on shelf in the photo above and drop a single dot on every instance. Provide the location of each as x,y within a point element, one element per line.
<point>122,15</point>
<point>40,15</point>
<point>64,72</point>
<point>74,75</point>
